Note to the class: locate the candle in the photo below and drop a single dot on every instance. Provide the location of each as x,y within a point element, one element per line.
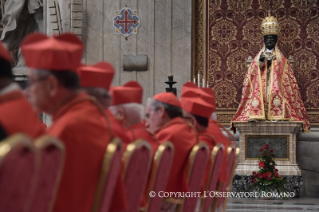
<point>203,85</point>
<point>194,80</point>
<point>207,86</point>
<point>198,79</point>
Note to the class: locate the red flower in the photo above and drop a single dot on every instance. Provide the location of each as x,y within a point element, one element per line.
<point>268,178</point>
<point>251,180</point>
<point>266,146</point>
<point>261,164</point>
<point>271,151</point>
<point>265,166</point>
<point>261,149</point>
<point>271,161</point>
<point>267,174</point>
<point>267,154</point>
<point>276,175</point>
<point>260,175</point>
<point>276,170</point>
<point>255,180</point>
<point>254,172</point>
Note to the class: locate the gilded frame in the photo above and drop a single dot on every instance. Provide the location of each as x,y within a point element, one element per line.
<point>112,147</point>
<point>154,169</point>
<point>271,136</point>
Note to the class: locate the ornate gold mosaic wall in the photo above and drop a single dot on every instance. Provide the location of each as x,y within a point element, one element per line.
<point>228,31</point>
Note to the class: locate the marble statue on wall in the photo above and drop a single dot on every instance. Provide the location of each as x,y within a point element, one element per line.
<point>270,89</point>
<point>20,17</point>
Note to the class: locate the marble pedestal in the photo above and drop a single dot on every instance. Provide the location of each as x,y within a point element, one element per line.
<point>281,137</point>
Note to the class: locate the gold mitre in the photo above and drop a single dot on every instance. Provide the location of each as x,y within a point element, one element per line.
<point>270,26</point>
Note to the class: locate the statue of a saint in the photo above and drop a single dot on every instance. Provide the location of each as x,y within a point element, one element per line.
<point>20,17</point>
<point>270,90</point>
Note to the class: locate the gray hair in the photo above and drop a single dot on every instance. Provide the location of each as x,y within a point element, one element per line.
<point>101,94</point>
<point>172,111</point>
<point>134,112</point>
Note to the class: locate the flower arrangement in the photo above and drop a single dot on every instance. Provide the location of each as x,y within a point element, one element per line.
<point>267,178</point>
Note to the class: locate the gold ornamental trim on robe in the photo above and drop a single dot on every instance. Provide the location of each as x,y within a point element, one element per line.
<point>283,101</point>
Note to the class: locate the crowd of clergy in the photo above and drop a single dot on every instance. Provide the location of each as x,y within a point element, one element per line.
<point>88,113</point>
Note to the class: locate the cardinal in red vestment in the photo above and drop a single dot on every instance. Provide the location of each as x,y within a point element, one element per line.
<point>16,114</point>
<point>53,63</point>
<point>96,81</point>
<point>164,117</point>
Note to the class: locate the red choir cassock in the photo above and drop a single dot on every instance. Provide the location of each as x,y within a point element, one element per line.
<point>101,75</point>
<point>77,123</point>
<point>132,92</point>
<point>214,130</point>
<point>183,137</point>
<point>139,131</point>
<point>16,114</point>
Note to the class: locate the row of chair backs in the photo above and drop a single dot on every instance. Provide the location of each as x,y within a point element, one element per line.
<point>231,155</point>
<point>216,158</point>
<point>109,174</point>
<point>197,164</point>
<point>161,168</point>
<point>29,174</point>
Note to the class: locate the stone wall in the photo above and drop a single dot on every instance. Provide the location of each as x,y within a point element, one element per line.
<point>164,36</point>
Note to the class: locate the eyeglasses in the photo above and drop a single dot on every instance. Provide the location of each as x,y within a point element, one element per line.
<point>32,82</point>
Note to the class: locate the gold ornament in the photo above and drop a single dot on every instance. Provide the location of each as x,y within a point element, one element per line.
<point>270,26</point>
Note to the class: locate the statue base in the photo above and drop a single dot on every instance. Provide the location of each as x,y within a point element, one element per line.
<point>281,137</point>
<point>241,183</point>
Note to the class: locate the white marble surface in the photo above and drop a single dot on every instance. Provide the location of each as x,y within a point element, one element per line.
<point>285,167</point>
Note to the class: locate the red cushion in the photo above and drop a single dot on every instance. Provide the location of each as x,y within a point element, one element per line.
<point>111,180</point>
<point>161,179</point>
<point>16,176</point>
<point>196,178</point>
<point>230,163</point>
<point>212,185</point>
<point>136,176</point>
<point>50,167</point>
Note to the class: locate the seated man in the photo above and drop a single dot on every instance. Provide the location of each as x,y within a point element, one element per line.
<point>96,81</point>
<point>127,107</point>
<point>55,89</point>
<point>197,109</point>
<point>16,114</point>
<point>164,116</point>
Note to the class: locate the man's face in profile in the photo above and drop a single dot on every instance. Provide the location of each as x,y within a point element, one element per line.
<point>270,41</point>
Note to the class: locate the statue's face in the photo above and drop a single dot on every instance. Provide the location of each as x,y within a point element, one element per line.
<point>270,41</point>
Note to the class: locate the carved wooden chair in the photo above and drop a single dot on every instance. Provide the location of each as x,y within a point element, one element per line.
<point>216,160</point>
<point>137,160</point>
<point>196,168</point>
<point>52,153</point>
<point>109,174</point>
<point>18,170</point>
<point>218,202</point>
<point>160,171</point>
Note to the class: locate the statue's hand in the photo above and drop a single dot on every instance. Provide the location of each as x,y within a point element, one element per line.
<point>262,57</point>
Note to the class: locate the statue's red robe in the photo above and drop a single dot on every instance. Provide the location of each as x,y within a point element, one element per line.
<point>283,99</point>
